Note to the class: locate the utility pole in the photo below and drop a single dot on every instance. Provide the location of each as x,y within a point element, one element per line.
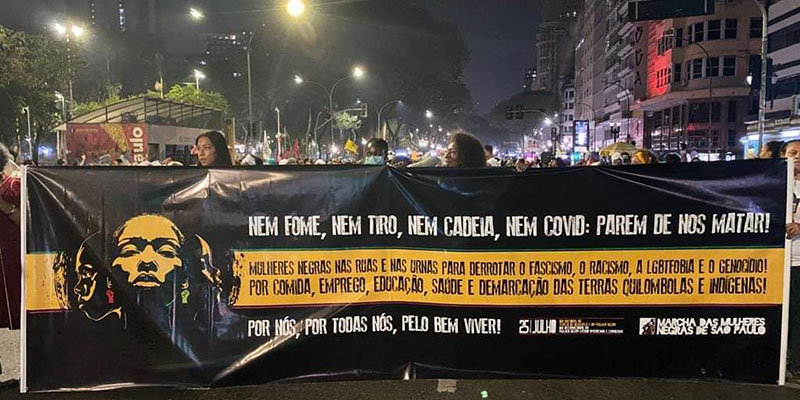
<point>762,100</point>
<point>278,110</point>
<point>250,93</point>
<point>27,111</point>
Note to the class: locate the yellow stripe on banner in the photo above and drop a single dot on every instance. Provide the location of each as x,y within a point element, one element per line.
<point>41,282</point>
<point>513,278</point>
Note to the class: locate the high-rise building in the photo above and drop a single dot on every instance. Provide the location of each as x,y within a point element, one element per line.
<point>694,79</point>
<point>553,65</point>
<point>555,68</point>
<point>566,116</point>
<point>121,13</point>
<point>590,52</point>
<point>606,69</point>
<point>530,77</point>
<point>104,16</point>
<point>783,100</point>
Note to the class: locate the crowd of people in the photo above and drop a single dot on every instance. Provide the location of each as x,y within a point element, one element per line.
<point>463,151</point>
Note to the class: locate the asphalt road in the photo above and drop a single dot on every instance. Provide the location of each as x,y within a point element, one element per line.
<point>617,389</point>
<point>9,355</point>
<point>451,390</point>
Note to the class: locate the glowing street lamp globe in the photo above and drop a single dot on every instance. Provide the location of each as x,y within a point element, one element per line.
<point>296,8</point>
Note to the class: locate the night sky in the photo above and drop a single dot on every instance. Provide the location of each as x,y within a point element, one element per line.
<point>501,36</point>
<point>499,33</point>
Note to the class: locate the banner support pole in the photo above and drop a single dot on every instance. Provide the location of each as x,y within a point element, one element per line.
<point>787,273</point>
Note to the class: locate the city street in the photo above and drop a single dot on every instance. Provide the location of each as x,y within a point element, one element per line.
<point>609,389</point>
<point>445,389</point>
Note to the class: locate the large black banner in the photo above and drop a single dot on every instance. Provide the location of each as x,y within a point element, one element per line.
<point>196,277</point>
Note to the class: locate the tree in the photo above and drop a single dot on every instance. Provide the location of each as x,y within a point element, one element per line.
<point>408,55</point>
<point>113,97</point>
<point>346,122</point>
<point>188,94</point>
<point>32,69</point>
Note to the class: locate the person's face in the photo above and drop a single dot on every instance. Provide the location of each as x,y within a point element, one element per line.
<point>149,248</point>
<point>90,287</point>
<point>793,152</point>
<point>451,155</point>
<point>764,153</point>
<point>86,285</point>
<point>617,161</point>
<point>206,153</point>
<point>488,154</point>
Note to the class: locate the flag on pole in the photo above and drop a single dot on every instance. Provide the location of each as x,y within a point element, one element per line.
<point>351,146</point>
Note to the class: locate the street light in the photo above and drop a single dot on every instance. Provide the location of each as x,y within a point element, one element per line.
<point>357,73</point>
<point>74,31</point>
<point>195,14</point>
<point>428,114</point>
<point>380,110</point>
<point>60,29</point>
<point>296,8</point>
<point>197,76</point>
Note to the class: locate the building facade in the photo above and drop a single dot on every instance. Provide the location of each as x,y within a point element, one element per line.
<point>783,97</point>
<point>695,87</point>
<point>555,68</point>
<point>609,60</point>
<point>549,37</point>
<point>589,65</point>
<point>567,115</point>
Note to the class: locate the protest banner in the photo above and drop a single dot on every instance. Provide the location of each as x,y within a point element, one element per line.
<point>197,277</point>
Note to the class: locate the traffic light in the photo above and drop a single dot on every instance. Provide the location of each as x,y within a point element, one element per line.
<point>520,114</point>
<point>364,112</point>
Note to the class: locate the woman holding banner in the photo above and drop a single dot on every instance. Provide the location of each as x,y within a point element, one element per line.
<point>791,150</point>
<point>212,150</point>
<point>464,151</point>
<point>9,241</point>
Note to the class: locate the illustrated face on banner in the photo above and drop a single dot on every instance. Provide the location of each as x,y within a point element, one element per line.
<point>93,288</point>
<point>149,248</point>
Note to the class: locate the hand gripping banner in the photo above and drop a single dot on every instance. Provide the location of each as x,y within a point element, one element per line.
<point>196,277</point>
